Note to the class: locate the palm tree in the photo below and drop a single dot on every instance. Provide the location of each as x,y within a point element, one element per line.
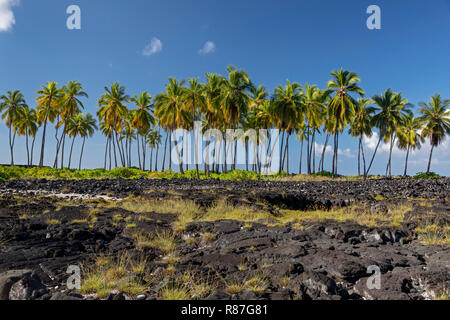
<point>436,117</point>
<point>301,134</point>
<point>361,126</point>
<point>28,126</point>
<point>408,136</point>
<point>266,117</point>
<point>48,100</point>
<point>112,111</point>
<point>390,107</point>
<point>11,104</point>
<point>71,105</point>
<point>195,101</point>
<point>153,139</point>
<point>142,120</point>
<point>288,112</point>
<point>88,127</point>
<point>211,90</point>
<point>314,106</point>
<point>234,101</point>
<point>171,112</point>
<point>342,106</point>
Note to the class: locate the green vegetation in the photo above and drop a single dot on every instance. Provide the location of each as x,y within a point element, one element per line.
<point>424,175</point>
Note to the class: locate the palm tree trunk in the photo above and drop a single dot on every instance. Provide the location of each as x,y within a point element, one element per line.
<point>429,161</point>
<point>110,145</point>
<point>144,147</point>
<point>406,161</point>
<point>170,150</point>
<point>106,152</point>
<point>70,154</point>
<point>41,160</point>
<point>324,150</point>
<point>139,153</point>
<point>180,163</point>
<point>32,151</point>
<point>151,159</point>
<point>58,145</point>
<point>359,157</point>
<point>28,151</point>
<point>281,153</point>
<point>334,155</point>
<point>130,143</point>
<point>11,145</point>
<point>373,156</point>
<point>363,155</point>
<point>63,138</point>
<point>301,158</point>
<point>165,151</point>
<point>156,157</point>
<point>337,153</point>
<point>81,154</point>
<point>308,156</point>
<point>313,148</point>
<point>287,153</point>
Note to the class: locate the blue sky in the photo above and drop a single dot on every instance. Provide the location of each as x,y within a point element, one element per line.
<point>272,40</point>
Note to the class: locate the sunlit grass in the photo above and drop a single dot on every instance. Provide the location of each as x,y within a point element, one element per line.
<point>109,274</point>
<point>434,234</point>
<point>164,241</point>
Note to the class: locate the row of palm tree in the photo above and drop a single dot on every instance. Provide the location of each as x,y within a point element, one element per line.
<point>53,104</point>
<point>231,102</point>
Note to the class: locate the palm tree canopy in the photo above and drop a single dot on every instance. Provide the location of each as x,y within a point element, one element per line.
<point>288,105</point>
<point>233,98</point>
<point>70,102</point>
<point>436,117</point>
<point>142,117</point>
<point>48,102</point>
<point>169,106</point>
<point>362,121</point>
<point>341,108</point>
<point>390,108</point>
<point>112,106</point>
<point>11,104</point>
<point>408,132</point>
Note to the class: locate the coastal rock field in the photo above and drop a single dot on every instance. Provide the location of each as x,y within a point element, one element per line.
<point>225,240</point>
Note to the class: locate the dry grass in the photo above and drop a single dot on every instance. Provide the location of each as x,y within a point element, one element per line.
<point>430,234</point>
<point>189,286</point>
<point>53,222</point>
<point>119,274</point>
<point>444,296</point>
<point>258,283</point>
<point>164,241</point>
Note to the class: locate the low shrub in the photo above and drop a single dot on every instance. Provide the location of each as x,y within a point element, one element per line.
<point>424,175</point>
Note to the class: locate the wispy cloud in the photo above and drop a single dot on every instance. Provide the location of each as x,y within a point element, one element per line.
<point>208,47</point>
<point>153,47</point>
<point>7,19</point>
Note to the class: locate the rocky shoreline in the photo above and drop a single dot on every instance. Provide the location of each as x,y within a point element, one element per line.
<point>47,226</point>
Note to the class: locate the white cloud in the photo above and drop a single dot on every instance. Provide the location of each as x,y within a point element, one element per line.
<point>153,47</point>
<point>209,47</point>
<point>329,150</point>
<point>7,19</point>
